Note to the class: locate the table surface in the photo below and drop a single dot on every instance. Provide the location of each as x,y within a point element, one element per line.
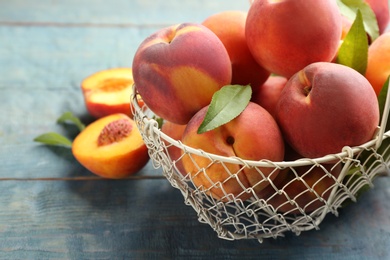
<point>51,207</point>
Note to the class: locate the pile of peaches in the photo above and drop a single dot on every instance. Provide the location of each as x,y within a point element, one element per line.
<point>305,101</point>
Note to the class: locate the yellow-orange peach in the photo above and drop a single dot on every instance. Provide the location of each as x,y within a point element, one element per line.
<point>267,95</point>
<point>253,135</point>
<point>174,131</point>
<point>285,36</point>
<point>325,107</point>
<point>378,66</point>
<point>108,92</point>
<point>229,26</point>
<point>111,147</point>
<point>179,68</point>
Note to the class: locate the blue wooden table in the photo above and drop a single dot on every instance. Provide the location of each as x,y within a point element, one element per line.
<point>51,207</point>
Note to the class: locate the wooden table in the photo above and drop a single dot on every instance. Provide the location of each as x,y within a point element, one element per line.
<point>51,207</point>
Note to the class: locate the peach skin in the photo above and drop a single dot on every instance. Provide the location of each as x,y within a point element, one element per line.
<point>285,36</point>
<point>253,135</point>
<point>325,107</point>
<point>229,26</point>
<point>178,69</point>
<point>378,66</point>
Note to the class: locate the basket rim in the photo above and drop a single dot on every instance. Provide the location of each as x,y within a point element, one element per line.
<point>346,152</point>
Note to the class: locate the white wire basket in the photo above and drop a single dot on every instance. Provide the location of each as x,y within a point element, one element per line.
<point>293,205</point>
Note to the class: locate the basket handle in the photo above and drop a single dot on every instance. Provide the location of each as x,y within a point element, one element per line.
<point>385,116</point>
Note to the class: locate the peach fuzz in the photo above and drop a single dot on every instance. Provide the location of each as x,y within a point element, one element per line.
<point>229,26</point>
<point>111,147</point>
<point>174,131</point>
<point>325,107</point>
<point>378,66</point>
<point>285,36</point>
<point>108,92</point>
<point>253,135</point>
<point>267,95</point>
<point>178,69</point>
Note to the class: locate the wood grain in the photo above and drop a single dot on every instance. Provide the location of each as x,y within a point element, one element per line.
<point>53,208</point>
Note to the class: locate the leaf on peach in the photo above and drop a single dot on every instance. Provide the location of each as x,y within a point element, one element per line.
<point>349,9</point>
<point>226,104</point>
<point>353,51</point>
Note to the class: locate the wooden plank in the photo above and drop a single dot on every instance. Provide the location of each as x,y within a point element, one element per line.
<point>146,219</point>
<point>118,12</point>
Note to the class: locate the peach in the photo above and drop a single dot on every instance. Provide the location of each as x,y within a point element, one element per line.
<point>378,65</point>
<point>285,36</point>
<point>308,186</point>
<point>111,147</point>
<point>267,95</point>
<point>325,107</point>
<point>108,92</point>
<point>381,11</point>
<point>229,26</point>
<point>178,69</point>
<point>253,135</point>
<point>174,131</point>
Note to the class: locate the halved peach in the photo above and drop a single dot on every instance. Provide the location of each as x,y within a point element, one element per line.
<point>111,147</point>
<point>108,92</point>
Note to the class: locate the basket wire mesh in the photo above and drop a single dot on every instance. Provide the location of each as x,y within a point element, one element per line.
<point>294,204</point>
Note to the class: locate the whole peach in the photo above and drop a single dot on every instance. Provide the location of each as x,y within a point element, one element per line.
<point>253,135</point>
<point>229,26</point>
<point>267,95</point>
<point>378,66</point>
<point>325,107</point>
<point>285,36</point>
<point>177,69</point>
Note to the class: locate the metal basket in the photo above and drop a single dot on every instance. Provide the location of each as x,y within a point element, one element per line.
<point>280,211</point>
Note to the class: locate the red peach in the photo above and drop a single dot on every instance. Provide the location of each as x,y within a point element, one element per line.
<point>381,11</point>
<point>177,70</point>
<point>285,36</point>
<point>325,107</point>
<point>267,95</point>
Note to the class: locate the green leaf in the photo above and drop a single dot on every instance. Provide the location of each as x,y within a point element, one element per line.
<point>68,117</point>
<point>353,51</point>
<point>55,139</point>
<point>382,101</point>
<point>226,104</point>
<point>348,8</point>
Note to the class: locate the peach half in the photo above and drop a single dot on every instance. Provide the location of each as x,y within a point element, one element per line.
<point>111,147</point>
<point>108,92</point>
